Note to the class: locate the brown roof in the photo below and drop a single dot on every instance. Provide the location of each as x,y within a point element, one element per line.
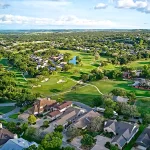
<point>54,113</point>
<point>42,103</point>
<point>64,105</point>
<point>5,135</point>
<point>67,115</point>
<point>86,119</point>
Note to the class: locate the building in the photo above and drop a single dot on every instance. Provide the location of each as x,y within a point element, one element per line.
<point>143,141</point>
<point>54,115</point>
<point>69,116</point>
<point>5,135</point>
<point>17,144</point>
<point>42,105</point>
<point>120,99</point>
<point>62,107</point>
<point>83,121</point>
<point>123,132</point>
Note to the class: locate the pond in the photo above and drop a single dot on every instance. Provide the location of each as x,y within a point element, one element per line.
<point>73,60</point>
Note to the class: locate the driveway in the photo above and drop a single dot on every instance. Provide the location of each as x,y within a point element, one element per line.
<point>76,142</point>
<point>100,143</point>
<point>81,105</point>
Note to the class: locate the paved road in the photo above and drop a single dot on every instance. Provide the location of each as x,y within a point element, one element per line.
<point>88,108</point>
<point>7,104</point>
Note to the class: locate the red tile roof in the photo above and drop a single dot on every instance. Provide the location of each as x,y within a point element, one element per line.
<point>64,105</point>
<point>54,113</point>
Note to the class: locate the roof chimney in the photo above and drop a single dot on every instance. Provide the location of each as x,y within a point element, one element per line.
<point>15,136</point>
<point>48,98</point>
<point>1,126</point>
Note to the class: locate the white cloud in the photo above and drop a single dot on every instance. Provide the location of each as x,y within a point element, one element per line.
<point>100,6</point>
<point>64,20</point>
<point>140,5</point>
<point>68,21</point>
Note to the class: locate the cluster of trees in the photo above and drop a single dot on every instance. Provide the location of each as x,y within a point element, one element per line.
<point>10,90</point>
<point>124,93</point>
<point>110,106</point>
<point>98,74</point>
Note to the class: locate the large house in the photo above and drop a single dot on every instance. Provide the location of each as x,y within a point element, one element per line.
<point>42,105</point>
<point>5,135</point>
<point>123,132</point>
<point>143,141</point>
<point>83,121</point>
<point>17,144</point>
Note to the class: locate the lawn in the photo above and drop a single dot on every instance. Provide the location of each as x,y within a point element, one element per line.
<point>6,109</point>
<point>52,87</point>
<point>14,116</point>
<point>132,142</point>
<point>108,85</point>
<point>84,94</point>
<point>143,105</point>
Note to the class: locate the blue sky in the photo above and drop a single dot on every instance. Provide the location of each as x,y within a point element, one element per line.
<point>78,14</point>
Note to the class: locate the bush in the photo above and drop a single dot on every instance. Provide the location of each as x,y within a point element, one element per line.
<point>59,128</point>
<point>107,145</point>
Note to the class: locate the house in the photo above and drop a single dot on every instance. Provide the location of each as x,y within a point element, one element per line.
<point>63,106</point>
<point>120,99</point>
<point>42,105</point>
<point>17,144</point>
<point>54,115</point>
<point>5,135</point>
<point>69,116</point>
<point>143,141</point>
<point>84,120</point>
<point>123,132</point>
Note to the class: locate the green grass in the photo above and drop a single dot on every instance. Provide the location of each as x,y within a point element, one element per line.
<point>108,85</point>
<point>143,105</point>
<point>132,142</point>
<point>52,87</point>
<point>18,75</point>
<point>14,116</point>
<point>84,94</point>
<point>6,109</point>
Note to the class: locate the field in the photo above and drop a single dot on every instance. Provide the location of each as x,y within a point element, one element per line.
<point>61,84</point>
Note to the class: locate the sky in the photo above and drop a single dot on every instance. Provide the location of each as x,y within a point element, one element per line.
<point>74,14</point>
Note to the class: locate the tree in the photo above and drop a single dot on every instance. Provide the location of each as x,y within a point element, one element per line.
<point>108,113</point>
<point>30,133</point>
<point>68,148</point>
<point>87,140</point>
<point>32,147</point>
<point>59,128</point>
<point>73,132</point>
<point>146,119</point>
<point>40,147</point>
<point>32,119</point>
<point>109,103</point>
<point>52,141</point>
<point>85,77</point>
<point>114,147</point>
<point>98,101</point>
<point>96,124</point>
<point>24,126</point>
<point>46,124</point>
